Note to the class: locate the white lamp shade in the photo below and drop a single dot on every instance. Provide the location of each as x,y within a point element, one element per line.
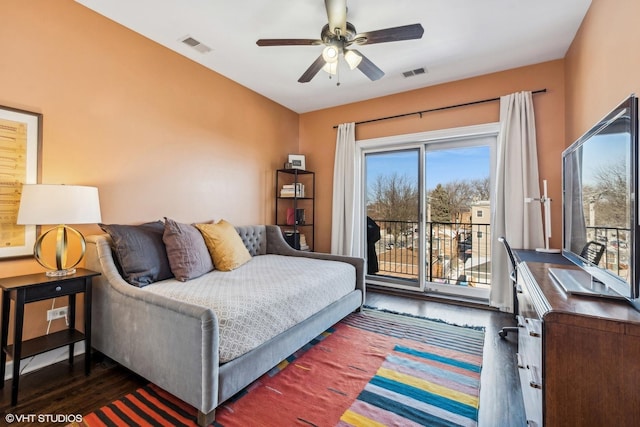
<point>331,68</point>
<point>58,204</point>
<point>352,58</point>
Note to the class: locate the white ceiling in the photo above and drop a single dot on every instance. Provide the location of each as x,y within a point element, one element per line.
<point>462,38</point>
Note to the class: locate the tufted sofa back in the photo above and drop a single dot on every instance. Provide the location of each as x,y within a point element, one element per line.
<point>254,238</point>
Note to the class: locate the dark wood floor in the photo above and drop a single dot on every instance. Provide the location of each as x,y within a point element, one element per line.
<point>61,389</point>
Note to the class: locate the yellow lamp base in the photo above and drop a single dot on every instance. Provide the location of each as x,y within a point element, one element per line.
<point>61,268</point>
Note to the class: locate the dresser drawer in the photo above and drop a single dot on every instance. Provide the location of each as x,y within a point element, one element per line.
<point>53,290</point>
<point>532,398</point>
<point>530,367</point>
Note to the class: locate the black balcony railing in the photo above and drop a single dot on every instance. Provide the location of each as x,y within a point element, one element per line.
<point>616,254</point>
<point>456,253</point>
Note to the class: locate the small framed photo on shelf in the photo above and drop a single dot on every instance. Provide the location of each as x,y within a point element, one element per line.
<point>297,161</point>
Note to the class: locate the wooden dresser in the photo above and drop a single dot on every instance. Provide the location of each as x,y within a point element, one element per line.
<point>578,356</point>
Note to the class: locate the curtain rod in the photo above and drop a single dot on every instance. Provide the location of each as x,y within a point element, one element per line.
<point>482,101</point>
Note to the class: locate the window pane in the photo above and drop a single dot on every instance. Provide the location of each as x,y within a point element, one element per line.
<point>458,212</point>
<point>393,209</point>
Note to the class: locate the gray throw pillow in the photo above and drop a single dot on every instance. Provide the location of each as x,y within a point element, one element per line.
<point>140,252</point>
<point>187,252</point>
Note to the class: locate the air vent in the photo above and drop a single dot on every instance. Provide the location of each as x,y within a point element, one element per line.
<point>200,47</point>
<point>415,72</point>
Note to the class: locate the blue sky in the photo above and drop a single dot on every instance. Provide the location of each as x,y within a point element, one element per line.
<point>604,150</point>
<point>442,165</point>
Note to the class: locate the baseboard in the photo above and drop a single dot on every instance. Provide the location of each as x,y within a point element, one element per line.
<point>465,302</point>
<point>43,360</point>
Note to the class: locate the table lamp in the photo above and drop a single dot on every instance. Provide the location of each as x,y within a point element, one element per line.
<point>58,204</point>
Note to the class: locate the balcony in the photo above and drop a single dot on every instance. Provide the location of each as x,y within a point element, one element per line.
<point>456,253</point>
<point>617,253</point>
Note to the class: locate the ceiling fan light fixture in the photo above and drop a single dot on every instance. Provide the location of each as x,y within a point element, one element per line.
<point>331,68</point>
<point>339,34</point>
<point>330,54</point>
<point>352,58</point>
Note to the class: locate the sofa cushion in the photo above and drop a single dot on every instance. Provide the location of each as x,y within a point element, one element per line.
<point>225,245</point>
<point>187,252</point>
<point>264,298</point>
<point>140,251</point>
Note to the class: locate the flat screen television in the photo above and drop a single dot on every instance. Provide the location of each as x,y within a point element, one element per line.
<point>600,208</point>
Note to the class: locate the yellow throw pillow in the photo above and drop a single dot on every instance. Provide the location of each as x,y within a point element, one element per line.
<point>225,245</point>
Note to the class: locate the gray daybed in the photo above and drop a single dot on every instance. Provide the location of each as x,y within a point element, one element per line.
<point>175,334</point>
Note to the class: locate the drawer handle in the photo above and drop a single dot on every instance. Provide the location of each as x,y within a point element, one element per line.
<point>58,288</point>
<point>534,327</point>
<point>520,361</point>
<point>535,380</point>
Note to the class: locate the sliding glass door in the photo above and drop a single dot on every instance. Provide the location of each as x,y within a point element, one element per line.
<point>428,208</point>
<point>458,226</point>
<point>393,200</point>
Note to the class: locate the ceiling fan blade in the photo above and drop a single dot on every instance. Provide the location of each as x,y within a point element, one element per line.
<point>368,68</point>
<point>312,70</point>
<point>395,34</point>
<point>337,15</point>
<point>288,42</point>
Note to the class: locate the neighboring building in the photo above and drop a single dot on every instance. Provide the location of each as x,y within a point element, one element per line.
<point>479,264</point>
<point>480,230</point>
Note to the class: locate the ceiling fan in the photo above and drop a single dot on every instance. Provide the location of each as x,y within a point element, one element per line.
<point>339,36</point>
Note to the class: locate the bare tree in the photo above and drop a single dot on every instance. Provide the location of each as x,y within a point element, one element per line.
<point>450,200</point>
<point>393,197</point>
<point>611,210</point>
<point>461,195</point>
<point>481,188</point>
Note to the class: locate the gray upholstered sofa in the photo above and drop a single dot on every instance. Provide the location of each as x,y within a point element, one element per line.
<point>175,342</point>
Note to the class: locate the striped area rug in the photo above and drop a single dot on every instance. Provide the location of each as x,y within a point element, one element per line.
<point>372,369</point>
<point>436,384</point>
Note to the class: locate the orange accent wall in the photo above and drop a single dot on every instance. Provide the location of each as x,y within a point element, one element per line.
<point>318,138</point>
<point>157,133</point>
<point>602,65</point>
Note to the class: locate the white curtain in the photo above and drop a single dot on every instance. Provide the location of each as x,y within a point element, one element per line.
<point>516,179</point>
<point>346,219</point>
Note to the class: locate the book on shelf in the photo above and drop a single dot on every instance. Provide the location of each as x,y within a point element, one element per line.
<point>303,243</point>
<point>292,190</point>
<point>295,216</point>
<point>290,216</point>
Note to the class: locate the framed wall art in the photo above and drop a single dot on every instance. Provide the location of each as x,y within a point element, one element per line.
<point>20,146</point>
<point>297,161</point>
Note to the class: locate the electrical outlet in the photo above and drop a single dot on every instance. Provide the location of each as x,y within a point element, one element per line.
<point>57,313</point>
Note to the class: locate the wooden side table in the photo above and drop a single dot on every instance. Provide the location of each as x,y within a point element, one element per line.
<point>36,287</point>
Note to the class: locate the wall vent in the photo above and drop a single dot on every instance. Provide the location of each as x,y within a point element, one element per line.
<point>200,47</point>
<point>415,72</point>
